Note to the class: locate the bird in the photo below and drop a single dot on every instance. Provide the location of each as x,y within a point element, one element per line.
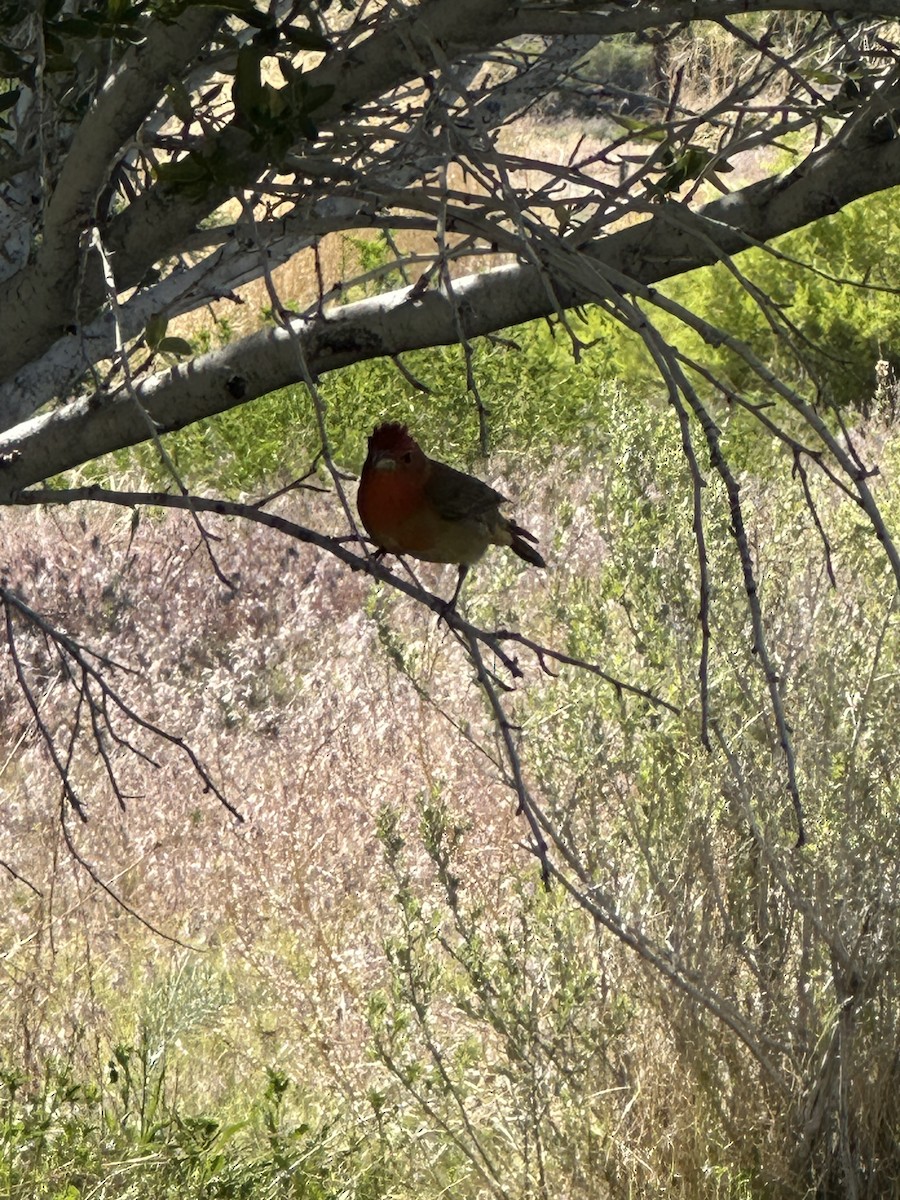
<point>412,504</point>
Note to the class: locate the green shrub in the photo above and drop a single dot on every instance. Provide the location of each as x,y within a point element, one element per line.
<point>537,401</point>
<point>836,333</point>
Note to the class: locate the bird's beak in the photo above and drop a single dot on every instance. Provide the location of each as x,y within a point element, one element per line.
<point>384,462</point>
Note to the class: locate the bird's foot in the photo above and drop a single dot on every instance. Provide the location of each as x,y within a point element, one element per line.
<point>446,607</point>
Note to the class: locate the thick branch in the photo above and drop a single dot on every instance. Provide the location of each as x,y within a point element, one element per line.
<point>841,172</point>
<point>634,18</point>
<point>42,299</point>
<point>156,224</point>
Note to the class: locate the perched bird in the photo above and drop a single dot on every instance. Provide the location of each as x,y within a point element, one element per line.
<point>411,504</point>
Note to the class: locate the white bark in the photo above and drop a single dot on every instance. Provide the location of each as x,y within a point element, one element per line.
<point>358,174</point>
<point>671,242</point>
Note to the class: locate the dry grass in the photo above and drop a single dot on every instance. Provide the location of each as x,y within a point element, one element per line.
<point>285,689</point>
<point>282,689</point>
<point>561,1051</point>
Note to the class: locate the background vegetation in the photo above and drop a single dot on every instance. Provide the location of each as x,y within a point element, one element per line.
<point>363,990</point>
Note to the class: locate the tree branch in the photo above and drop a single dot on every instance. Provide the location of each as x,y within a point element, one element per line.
<point>824,182</point>
<point>43,297</point>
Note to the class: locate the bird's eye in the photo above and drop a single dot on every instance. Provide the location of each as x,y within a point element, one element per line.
<point>407,457</point>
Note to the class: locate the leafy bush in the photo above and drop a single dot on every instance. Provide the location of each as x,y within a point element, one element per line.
<point>538,401</point>
<point>542,1045</point>
<point>509,1041</point>
<point>62,1140</point>
<point>833,334</point>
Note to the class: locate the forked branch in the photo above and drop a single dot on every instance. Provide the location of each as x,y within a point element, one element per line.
<point>97,707</point>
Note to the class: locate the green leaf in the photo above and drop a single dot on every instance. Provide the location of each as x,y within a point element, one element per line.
<point>315,97</point>
<point>155,331</point>
<point>641,129</point>
<point>306,39</point>
<point>275,101</point>
<point>247,91</point>
<point>688,165</point>
<point>184,173</point>
<point>245,9</point>
<point>199,172</point>
<point>180,99</point>
<point>11,65</point>
<point>177,346</point>
<point>819,76</point>
<point>289,72</point>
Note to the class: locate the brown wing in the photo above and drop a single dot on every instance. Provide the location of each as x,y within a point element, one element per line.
<point>458,496</point>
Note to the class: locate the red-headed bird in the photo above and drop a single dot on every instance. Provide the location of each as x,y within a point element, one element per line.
<point>412,504</point>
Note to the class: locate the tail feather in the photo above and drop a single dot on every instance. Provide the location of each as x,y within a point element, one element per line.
<point>521,547</point>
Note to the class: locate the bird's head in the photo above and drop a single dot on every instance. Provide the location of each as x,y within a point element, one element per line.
<point>392,448</point>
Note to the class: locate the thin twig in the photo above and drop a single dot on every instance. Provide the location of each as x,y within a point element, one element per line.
<point>732,487</point>
<point>20,878</point>
<point>512,757</point>
<point>125,364</point>
<point>335,546</point>
<point>115,896</point>
<point>800,470</point>
<point>45,733</point>
<point>73,655</point>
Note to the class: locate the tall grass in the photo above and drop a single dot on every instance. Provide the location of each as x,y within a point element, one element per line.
<point>365,989</point>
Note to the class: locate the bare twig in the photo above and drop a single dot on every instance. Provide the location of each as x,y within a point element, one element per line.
<point>86,672</point>
<point>526,807</point>
<point>20,878</point>
<point>95,876</point>
<point>800,470</point>
<point>702,995</point>
<point>335,546</point>
<point>43,729</point>
<point>124,360</point>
